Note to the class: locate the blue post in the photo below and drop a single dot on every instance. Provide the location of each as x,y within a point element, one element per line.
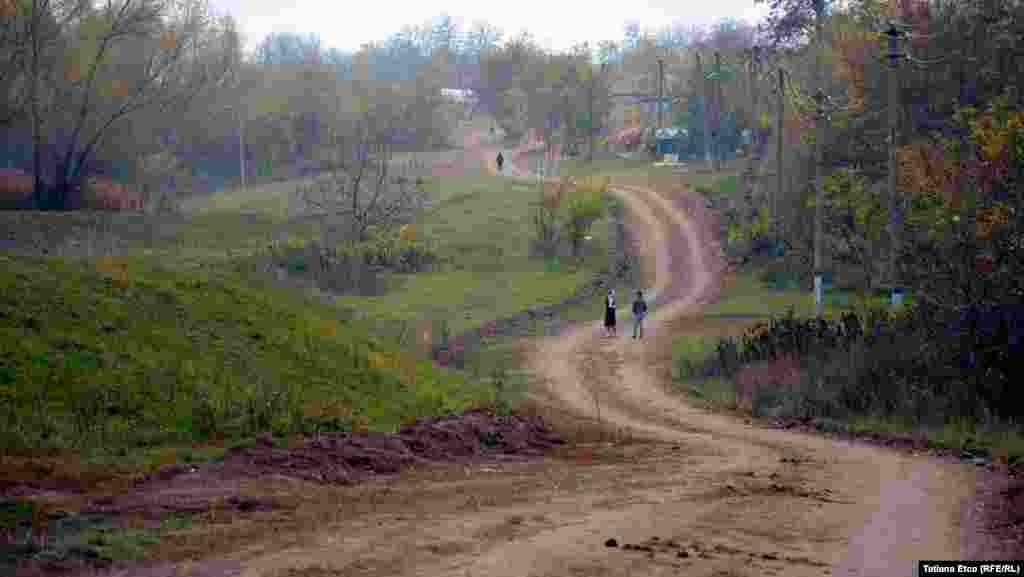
<point>897,296</point>
<point>817,292</point>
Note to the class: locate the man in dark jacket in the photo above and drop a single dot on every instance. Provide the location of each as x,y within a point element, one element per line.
<point>501,161</point>
<point>639,312</point>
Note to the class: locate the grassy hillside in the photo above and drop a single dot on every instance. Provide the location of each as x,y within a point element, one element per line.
<point>169,346</point>
<point>115,352</point>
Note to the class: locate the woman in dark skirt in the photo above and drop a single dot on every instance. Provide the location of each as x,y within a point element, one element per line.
<point>609,313</point>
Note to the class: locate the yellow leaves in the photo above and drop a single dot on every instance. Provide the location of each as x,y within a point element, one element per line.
<point>988,218</point>
<point>327,328</point>
<point>114,268</point>
<point>118,88</point>
<point>407,233</point>
<point>327,409</point>
<point>72,71</point>
<point>994,135</point>
<point>403,363</point>
<point>168,39</point>
<point>378,361</point>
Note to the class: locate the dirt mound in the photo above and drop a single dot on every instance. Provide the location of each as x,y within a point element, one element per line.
<point>478,434</point>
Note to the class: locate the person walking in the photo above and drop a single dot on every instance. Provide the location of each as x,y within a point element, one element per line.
<point>609,313</point>
<point>639,312</point>
<point>501,161</point>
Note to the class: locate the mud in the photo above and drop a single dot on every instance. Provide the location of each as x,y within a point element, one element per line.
<point>474,436</point>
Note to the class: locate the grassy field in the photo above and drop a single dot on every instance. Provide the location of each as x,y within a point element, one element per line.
<point>482,226</point>
<point>114,353</point>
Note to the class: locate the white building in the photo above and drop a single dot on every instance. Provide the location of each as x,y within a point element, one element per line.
<point>466,97</point>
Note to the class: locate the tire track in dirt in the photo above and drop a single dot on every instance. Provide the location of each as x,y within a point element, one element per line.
<point>917,499</point>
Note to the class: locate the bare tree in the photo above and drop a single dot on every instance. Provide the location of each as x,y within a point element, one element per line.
<point>118,58</point>
<point>359,193</point>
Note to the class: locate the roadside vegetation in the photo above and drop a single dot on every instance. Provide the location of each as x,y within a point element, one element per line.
<point>116,355</point>
<point>939,364</point>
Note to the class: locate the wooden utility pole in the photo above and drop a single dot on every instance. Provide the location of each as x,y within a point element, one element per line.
<point>705,110</point>
<point>590,100</point>
<point>590,123</point>
<point>895,56</point>
<point>819,149</point>
<point>754,61</point>
<point>718,110</point>
<point>779,123</point>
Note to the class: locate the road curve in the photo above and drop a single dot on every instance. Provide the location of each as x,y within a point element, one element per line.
<point>704,494</point>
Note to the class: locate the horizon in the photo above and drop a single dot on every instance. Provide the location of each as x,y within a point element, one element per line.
<point>258,18</point>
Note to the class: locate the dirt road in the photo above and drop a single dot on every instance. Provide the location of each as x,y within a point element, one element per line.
<point>695,494</point>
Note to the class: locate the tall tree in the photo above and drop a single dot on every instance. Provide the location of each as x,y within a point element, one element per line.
<point>118,59</point>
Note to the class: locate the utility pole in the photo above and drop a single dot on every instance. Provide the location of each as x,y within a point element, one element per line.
<point>590,100</point>
<point>590,117</point>
<point>894,35</point>
<point>754,61</point>
<point>706,111</point>
<point>819,149</point>
<point>718,110</point>
<point>779,120</point>
<point>661,93</point>
<point>241,145</point>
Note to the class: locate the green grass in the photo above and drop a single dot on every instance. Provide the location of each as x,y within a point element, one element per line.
<point>481,225</point>
<point>146,361</point>
<point>272,199</point>
<point>118,353</point>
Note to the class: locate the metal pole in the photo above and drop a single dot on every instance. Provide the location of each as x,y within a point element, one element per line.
<point>754,55</point>
<point>241,146</point>
<point>894,35</point>
<point>819,148</point>
<point>718,110</point>
<point>704,101</point>
<point>779,150</point>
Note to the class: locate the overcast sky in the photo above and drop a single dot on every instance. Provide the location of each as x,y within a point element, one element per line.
<point>347,24</point>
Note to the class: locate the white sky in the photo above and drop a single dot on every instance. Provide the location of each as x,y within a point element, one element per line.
<point>558,24</point>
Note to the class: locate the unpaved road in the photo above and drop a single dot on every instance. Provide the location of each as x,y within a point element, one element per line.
<point>698,494</point>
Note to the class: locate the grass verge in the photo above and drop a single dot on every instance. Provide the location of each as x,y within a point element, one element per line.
<point>744,298</point>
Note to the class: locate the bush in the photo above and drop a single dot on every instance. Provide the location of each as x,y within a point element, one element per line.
<point>873,363</point>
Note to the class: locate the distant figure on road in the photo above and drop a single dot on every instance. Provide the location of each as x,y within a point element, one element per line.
<point>609,313</point>
<point>501,161</point>
<point>639,312</point>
